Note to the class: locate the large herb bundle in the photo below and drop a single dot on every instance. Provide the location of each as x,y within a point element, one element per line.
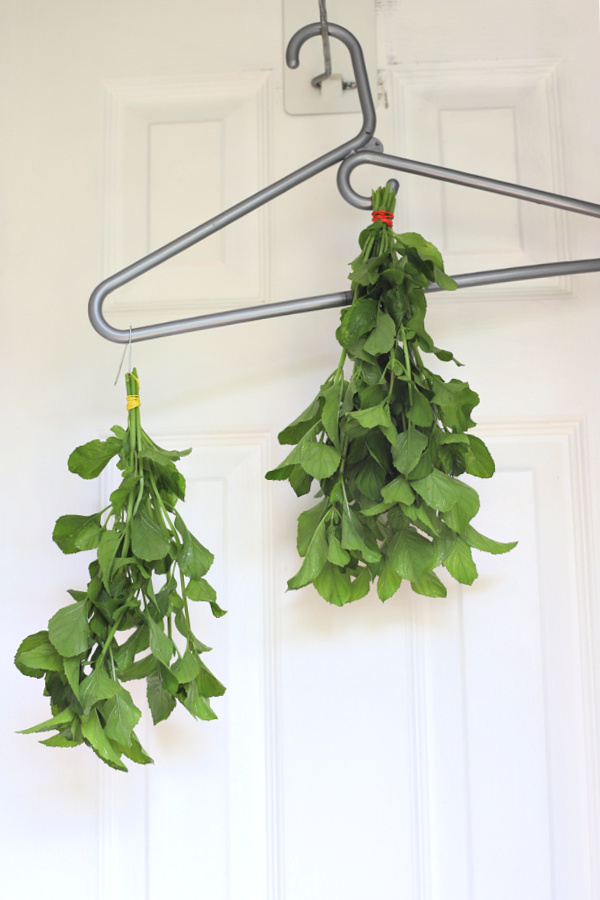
<point>387,444</point>
<point>148,567</point>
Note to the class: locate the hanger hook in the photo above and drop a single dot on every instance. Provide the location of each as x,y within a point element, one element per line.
<point>358,65</point>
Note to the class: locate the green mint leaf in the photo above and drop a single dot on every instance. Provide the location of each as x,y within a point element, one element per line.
<point>208,685</point>
<point>187,668</point>
<point>135,752</point>
<point>107,551</point>
<point>383,337</point>
<point>69,631</point>
<point>334,585</point>
<point>429,585</point>
<point>121,715</point>
<point>296,430</point>
<point>459,562</point>
<point>356,537</point>
<point>331,414</point>
<point>478,460</point>
<point>161,702</point>
<point>399,491</point>
<point>357,320</point>
<point>315,559</point>
<point>62,718</point>
<point>420,412</point>
<point>161,645</point>
<point>194,560</point>
<point>90,459</point>
<point>370,478</point>
<point>197,704</point>
<point>148,540</point>
<point>373,417</point>
<point>480,542</point>
<point>318,459</point>
<point>36,656</point>
<point>408,449</point>
<point>443,492</point>
<point>75,533</point>
<point>97,686</point>
<point>308,522</point>
<point>388,582</point>
<point>336,553</point>
<point>101,744</point>
<point>143,667</point>
<point>410,554</point>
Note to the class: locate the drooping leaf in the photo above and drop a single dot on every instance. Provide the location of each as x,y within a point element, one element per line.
<point>90,459</point>
<point>187,668</point>
<point>318,459</point>
<point>76,533</point>
<point>96,686</point>
<point>148,540</point>
<point>388,583</point>
<point>383,336</point>
<point>196,703</point>
<point>161,645</point>
<point>37,655</point>
<point>481,542</point>
<point>429,585</point>
<point>411,554</point>
<point>314,560</point>
<point>161,702</point>
<point>297,429</point>
<point>69,631</point>
<point>478,460</point>
<point>373,417</point>
<point>194,559</point>
<point>334,585</point>
<point>65,717</point>
<point>121,715</point>
<point>459,562</point>
<point>101,744</point>
<point>408,450</point>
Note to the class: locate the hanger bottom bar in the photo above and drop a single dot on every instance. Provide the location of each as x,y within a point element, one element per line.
<point>331,301</point>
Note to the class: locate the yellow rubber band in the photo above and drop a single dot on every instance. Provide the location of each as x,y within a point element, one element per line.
<point>133,400</point>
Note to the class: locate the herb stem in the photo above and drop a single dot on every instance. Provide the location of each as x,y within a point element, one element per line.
<point>110,637</point>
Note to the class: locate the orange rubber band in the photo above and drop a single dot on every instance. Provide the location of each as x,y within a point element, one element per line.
<point>382,215</point>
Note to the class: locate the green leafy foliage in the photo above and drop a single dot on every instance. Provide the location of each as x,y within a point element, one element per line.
<point>387,445</point>
<point>124,626</point>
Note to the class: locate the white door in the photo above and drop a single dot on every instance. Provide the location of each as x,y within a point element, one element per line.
<point>428,749</point>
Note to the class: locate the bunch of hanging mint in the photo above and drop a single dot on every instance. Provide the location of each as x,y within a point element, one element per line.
<point>387,444</point>
<point>122,627</point>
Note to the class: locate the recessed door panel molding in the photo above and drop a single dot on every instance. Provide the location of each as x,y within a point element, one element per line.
<point>510,724</point>
<point>499,119</point>
<point>206,804</point>
<point>178,153</point>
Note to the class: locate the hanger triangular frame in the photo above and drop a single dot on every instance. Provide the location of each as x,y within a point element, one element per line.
<point>361,150</point>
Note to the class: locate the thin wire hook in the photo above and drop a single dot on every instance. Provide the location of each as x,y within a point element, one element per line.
<point>319,79</point>
<point>128,345</point>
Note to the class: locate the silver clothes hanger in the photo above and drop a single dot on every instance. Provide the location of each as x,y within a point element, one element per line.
<point>361,150</point>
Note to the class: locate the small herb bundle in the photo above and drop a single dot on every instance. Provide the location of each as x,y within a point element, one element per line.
<point>387,445</point>
<point>141,542</point>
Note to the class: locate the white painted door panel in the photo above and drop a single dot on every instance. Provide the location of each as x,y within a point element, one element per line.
<point>424,749</point>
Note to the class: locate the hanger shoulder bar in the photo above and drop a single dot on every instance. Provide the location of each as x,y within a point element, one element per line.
<point>454,176</point>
